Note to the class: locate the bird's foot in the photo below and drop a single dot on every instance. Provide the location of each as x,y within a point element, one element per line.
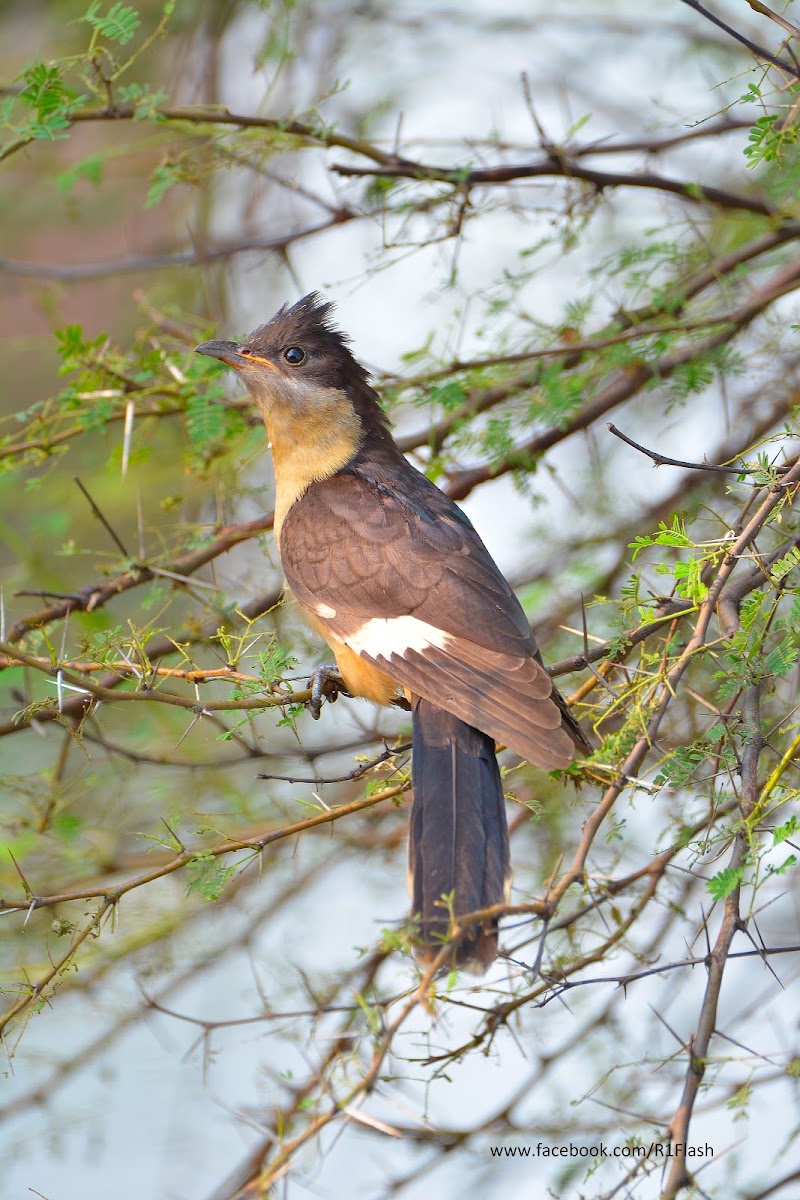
<point>326,681</point>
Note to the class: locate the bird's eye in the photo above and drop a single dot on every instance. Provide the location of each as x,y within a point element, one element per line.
<point>294,356</point>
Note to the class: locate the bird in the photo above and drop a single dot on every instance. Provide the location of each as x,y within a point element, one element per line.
<point>393,575</point>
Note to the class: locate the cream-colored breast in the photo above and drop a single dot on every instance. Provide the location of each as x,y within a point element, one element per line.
<point>310,444</point>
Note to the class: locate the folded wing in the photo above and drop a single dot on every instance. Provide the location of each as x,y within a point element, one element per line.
<point>397,572</point>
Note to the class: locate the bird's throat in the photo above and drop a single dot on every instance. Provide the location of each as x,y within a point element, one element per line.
<point>309,446</point>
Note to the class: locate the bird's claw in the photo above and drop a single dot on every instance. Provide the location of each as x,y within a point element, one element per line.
<point>326,681</point>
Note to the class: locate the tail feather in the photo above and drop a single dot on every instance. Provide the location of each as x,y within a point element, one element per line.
<point>458,839</point>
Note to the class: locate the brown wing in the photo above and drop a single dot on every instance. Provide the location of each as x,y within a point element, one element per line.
<point>392,568</point>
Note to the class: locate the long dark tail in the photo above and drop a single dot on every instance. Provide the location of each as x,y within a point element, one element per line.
<point>458,839</point>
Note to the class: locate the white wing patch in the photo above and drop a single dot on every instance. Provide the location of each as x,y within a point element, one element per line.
<point>381,637</point>
<point>325,611</point>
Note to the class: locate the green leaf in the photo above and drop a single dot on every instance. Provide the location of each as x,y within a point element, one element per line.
<point>765,141</point>
<point>163,178</point>
<point>118,25</point>
<point>689,583</point>
<point>292,713</point>
<point>205,421</point>
<point>276,663</point>
<point>44,88</point>
<point>145,101</point>
<point>208,877</point>
<point>724,882</point>
<point>740,1100</point>
<point>690,378</point>
<point>790,861</point>
<point>90,169</point>
<point>576,125</point>
<point>668,535</point>
<point>449,396</point>
<point>782,832</point>
<point>74,348</point>
<point>50,128</point>
<point>781,658</point>
<point>784,565</point>
<point>679,767</point>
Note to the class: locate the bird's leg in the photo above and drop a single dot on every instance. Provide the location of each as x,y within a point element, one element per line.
<point>326,681</point>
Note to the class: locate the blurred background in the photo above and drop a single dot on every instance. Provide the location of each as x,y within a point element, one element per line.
<point>532,222</point>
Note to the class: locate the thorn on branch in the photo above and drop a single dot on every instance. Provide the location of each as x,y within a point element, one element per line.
<point>102,519</point>
<point>662,460</point>
<point>29,895</point>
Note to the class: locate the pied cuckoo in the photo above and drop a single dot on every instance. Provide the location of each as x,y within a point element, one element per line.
<point>396,580</point>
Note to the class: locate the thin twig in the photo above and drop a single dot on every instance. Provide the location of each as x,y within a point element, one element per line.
<point>351,775</point>
<point>103,521</point>
<point>663,460</point>
<point>759,51</point>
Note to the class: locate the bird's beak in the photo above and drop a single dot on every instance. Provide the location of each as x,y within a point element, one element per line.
<point>232,354</point>
<point>227,352</point>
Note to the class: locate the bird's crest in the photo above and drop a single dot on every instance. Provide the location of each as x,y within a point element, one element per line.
<point>307,323</point>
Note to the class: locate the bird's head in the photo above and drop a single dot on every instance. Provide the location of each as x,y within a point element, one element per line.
<point>299,365</point>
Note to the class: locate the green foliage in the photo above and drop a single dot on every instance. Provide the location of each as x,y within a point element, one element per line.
<point>762,647</point>
<point>653,254</point>
<point>90,169</point>
<point>688,578</point>
<point>561,394</point>
<point>46,92</point>
<point>119,24</point>
<point>782,568</point>
<point>681,765</point>
<point>689,379</point>
<point>499,437</point>
<point>448,396</point>
<point>105,380</point>
<point>75,348</point>
<point>207,876</point>
<point>787,830</point>
<point>781,658</point>
<point>373,786</point>
<point>163,178</point>
<point>145,100</point>
<point>782,868</point>
<point>53,91</point>
<point>642,270</point>
<point>724,882</point>
<point>740,1102</point>
<point>276,663</point>
<point>289,719</point>
<point>206,422</point>
<point>193,689</point>
<point>668,535</point>
<point>767,139</point>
